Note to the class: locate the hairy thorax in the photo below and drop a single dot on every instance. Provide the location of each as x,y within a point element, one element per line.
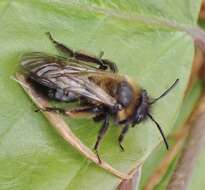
<point>124,90</point>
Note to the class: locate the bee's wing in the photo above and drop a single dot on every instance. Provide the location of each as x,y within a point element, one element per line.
<point>58,72</point>
<point>33,59</point>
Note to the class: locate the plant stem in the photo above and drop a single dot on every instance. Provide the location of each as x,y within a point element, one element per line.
<point>192,148</point>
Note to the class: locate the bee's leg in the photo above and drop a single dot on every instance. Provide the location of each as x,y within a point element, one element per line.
<point>98,117</point>
<point>104,64</point>
<point>61,47</point>
<point>121,137</point>
<point>101,133</point>
<point>77,112</point>
<point>89,108</point>
<point>100,54</point>
<point>112,66</point>
<point>53,109</point>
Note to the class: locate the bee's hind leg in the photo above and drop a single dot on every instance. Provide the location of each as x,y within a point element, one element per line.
<point>61,47</point>
<point>112,66</point>
<point>104,64</point>
<point>101,134</point>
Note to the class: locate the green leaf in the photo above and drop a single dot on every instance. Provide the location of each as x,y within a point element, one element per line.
<point>146,39</point>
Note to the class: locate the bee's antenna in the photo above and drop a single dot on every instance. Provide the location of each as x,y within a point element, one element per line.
<point>160,130</point>
<point>165,93</point>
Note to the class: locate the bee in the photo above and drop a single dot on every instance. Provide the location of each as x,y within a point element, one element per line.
<point>93,82</point>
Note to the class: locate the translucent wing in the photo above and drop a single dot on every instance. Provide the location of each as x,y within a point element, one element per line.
<point>69,75</point>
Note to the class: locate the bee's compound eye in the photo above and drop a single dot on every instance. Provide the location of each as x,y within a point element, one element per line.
<point>125,93</point>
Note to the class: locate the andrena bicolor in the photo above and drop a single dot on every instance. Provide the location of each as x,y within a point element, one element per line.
<point>95,84</point>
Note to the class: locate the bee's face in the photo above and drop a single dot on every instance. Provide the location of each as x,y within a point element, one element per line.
<point>136,111</point>
<point>142,109</point>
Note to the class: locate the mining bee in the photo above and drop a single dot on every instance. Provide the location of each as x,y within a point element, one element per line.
<point>95,84</point>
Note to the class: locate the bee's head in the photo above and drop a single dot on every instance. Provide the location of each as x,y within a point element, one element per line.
<point>143,108</point>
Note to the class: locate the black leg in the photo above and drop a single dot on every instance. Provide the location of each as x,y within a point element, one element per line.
<point>104,64</point>
<point>90,109</point>
<point>101,133</point>
<point>75,112</point>
<point>101,54</point>
<point>112,66</point>
<point>53,109</point>
<point>99,117</point>
<point>121,137</point>
<point>61,47</point>
<point>63,111</point>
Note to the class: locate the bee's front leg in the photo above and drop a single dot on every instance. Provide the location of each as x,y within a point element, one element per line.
<point>121,137</point>
<point>61,47</point>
